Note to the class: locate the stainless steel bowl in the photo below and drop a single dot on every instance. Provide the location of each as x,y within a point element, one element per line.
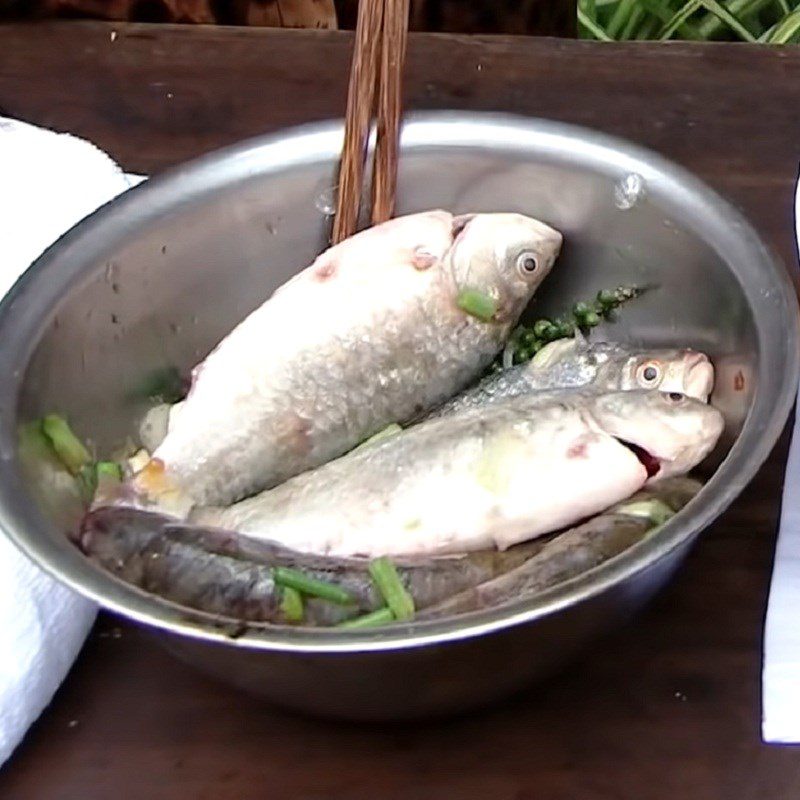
<point>158,276</point>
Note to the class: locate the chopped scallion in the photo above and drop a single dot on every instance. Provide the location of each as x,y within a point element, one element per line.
<point>294,579</point>
<point>292,604</point>
<point>656,511</point>
<point>68,447</point>
<point>383,616</point>
<point>387,581</point>
<point>109,470</point>
<point>477,304</point>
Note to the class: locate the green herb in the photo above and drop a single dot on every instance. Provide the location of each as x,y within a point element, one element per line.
<point>525,342</point>
<point>383,616</point>
<point>68,447</point>
<point>477,304</point>
<point>87,482</point>
<point>388,582</point>
<point>657,511</point>
<point>294,579</point>
<point>292,605</point>
<point>109,469</point>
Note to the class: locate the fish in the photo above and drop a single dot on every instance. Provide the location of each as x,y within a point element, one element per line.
<point>565,363</point>
<point>373,332</point>
<point>488,477</point>
<point>574,551</point>
<point>220,573</point>
<point>606,366</point>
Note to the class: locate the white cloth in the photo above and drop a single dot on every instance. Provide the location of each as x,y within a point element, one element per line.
<point>781,675</point>
<point>48,182</point>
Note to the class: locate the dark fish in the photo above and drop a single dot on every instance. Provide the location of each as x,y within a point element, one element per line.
<point>573,552</point>
<point>221,573</point>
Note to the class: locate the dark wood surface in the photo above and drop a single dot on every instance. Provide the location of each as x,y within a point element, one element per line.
<point>668,707</point>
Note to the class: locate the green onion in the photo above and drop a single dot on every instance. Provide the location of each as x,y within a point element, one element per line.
<point>284,576</point>
<point>108,469</point>
<point>87,482</point>
<point>292,605</point>
<point>477,304</point>
<point>66,444</point>
<point>387,580</point>
<point>657,511</point>
<point>383,616</point>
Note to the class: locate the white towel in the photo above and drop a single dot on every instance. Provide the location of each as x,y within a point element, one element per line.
<point>781,675</point>
<point>48,182</point>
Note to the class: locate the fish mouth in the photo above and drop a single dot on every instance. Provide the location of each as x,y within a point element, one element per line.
<point>651,463</point>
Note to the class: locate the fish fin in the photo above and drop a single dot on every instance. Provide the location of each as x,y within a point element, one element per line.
<point>553,352</point>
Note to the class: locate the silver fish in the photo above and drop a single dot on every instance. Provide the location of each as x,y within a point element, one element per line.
<point>372,333</point>
<point>490,477</point>
<point>605,366</point>
<point>575,551</point>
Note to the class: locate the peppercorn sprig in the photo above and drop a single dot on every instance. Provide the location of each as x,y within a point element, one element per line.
<point>527,340</point>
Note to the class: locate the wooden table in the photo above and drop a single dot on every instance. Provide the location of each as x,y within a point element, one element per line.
<point>670,706</point>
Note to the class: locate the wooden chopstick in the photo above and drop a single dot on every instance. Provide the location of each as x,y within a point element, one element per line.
<point>393,51</point>
<point>376,69</point>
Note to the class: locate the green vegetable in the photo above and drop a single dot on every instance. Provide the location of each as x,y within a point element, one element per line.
<point>68,447</point>
<point>387,581</point>
<point>87,482</point>
<point>657,511</point>
<point>374,619</point>
<point>292,605</point>
<point>294,579</point>
<point>108,469</point>
<point>477,304</point>
<point>525,342</point>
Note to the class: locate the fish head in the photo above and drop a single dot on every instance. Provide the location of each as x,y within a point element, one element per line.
<point>504,257</point>
<point>669,432</point>
<point>668,370</point>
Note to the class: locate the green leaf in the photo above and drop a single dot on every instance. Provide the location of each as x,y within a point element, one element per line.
<point>477,304</point>
<point>620,17</point>
<point>592,27</point>
<point>730,19</point>
<point>678,19</point>
<point>786,29</point>
<point>68,447</point>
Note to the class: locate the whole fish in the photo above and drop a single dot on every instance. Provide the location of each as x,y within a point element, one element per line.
<point>374,332</point>
<point>493,476</point>
<point>566,363</point>
<point>228,575</point>
<point>605,366</point>
<point>575,551</point>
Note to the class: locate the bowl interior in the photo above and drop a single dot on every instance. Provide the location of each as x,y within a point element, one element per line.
<point>154,280</point>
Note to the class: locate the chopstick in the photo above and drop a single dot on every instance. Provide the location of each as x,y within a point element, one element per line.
<point>376,69</point>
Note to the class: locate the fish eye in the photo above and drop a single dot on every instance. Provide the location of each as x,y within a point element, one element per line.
<point>527,264</point>
<point>676,397</point>
<point>649,374</point>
